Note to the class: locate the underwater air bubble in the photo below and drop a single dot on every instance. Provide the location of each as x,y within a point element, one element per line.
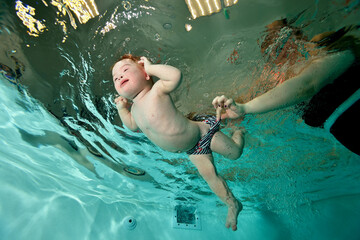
<point>157,37</point>
<point>167,26</point>
<point>126,5</point>
<point>12,51</point>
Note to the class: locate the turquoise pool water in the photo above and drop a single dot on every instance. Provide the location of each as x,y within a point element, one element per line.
<point>63,150</point>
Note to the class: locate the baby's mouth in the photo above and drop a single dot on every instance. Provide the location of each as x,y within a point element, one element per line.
<point>123,82</point>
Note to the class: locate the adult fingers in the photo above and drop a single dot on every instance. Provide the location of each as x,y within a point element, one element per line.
<point>222,101</point>
<point>228,103</point>
<point>218,113</point>
<point>219,101</point>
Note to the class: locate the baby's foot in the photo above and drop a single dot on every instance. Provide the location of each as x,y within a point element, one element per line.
<point>238,137</point>
<point>233,212</point>
<point>239,133</point>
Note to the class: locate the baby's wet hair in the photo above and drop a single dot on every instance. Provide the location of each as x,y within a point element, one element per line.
<point>129,56</point>
<point>126,56</point>
<point>133,58</point>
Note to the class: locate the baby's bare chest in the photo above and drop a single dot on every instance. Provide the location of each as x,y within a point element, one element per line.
<point>155,114</point>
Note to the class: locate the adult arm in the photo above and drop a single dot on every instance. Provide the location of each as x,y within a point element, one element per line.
<point>311,80</point>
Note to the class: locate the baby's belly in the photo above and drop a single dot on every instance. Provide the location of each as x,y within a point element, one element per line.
<point>178,142</point>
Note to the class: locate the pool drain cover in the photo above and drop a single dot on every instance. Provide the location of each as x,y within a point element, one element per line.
<point>134,171</point>
<point>186,217</point>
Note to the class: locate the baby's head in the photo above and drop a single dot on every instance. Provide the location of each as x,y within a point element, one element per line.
<point>130,77</point>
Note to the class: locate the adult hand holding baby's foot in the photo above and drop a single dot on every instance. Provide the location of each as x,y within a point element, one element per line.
<point>232,109</point>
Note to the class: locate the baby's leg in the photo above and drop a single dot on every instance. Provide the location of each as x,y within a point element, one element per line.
<point>205,165</point>
<point>228,147</point>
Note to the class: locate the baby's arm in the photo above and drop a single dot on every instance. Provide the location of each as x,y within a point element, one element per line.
<point>169,77</point>
<point>125,115</point>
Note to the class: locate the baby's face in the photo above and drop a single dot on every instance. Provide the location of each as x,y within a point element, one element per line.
<point>129,78</point>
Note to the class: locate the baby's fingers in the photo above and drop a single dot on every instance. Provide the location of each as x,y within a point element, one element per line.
<point>120,99</point>
<point>144,60</point>
<point>117,99</point>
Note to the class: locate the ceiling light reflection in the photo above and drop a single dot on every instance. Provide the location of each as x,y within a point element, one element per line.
<point>26,13</point>
<point>84,10</point>
<point>198,8</point>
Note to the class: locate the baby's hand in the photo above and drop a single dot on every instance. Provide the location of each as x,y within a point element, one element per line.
<point>232,109</point>
<point>145,62</point>
<point>121,103</point>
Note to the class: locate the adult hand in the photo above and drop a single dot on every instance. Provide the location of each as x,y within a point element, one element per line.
<point>232,109</point>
